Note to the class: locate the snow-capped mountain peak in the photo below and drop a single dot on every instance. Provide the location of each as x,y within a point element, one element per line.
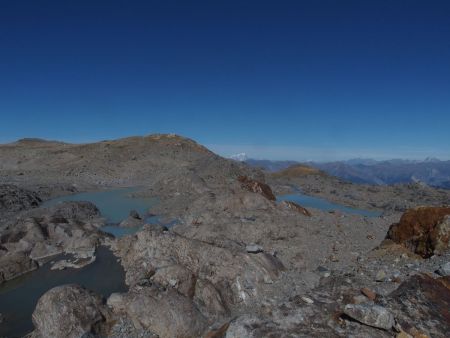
<point>241,157</point>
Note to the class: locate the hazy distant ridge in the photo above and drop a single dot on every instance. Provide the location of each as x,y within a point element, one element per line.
<point>430,171</point>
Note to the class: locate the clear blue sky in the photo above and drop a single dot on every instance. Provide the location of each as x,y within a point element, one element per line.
<point>277,79</point>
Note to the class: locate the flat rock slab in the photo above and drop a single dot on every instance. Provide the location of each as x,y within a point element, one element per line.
<point>372,315</point>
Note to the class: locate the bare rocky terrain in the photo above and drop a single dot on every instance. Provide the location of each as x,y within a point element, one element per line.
<point>394,198</point>
<point>237,263</point>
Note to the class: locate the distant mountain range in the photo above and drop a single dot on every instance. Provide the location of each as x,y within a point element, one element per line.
<point>430,171</point>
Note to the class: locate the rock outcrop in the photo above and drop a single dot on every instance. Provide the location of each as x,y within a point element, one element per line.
<point>13,198</point>
<point>215,278</point>
<point>39,234</point>
<point>13,264</point>
<point>423,230</point>
<point>70,311</point>
<point>294,206</point>
<point>422,304</point>
<point>256,187</point>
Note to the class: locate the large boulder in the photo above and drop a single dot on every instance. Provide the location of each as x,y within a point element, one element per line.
<point>165,313</point>
<point>423,230</point>
<point>69,311</point>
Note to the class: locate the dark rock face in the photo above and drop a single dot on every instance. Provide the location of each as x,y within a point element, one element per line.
<point>256,187</point>
<point>423,230</point>
<point>72,210</point>
<point>135,214</point>
<point>425,302</point>
<point>69,311</point>
<point>13,198</point>
<point>13,264</point>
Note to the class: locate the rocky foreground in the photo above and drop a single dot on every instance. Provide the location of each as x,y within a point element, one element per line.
<point>237,264</point>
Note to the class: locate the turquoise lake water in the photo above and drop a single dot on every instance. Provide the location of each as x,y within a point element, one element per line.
<point>115,205</point>
<point>325,205</point>
<point>19,296</point>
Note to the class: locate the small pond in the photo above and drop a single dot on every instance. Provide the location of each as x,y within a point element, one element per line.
<point>115,204</point>
<point>325,205</point>
<point>19,296</point>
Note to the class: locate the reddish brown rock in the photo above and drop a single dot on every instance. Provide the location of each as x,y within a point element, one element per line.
<point>423,230</point>
<point>369,293</point>
<point>256,187</point>
<point>419,299</point>
<point>296,207</point>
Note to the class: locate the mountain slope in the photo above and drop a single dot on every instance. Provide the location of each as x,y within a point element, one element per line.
<point>127,161</point>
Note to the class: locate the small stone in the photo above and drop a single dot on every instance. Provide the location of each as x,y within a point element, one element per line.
<point>396,274</point>
<point>418,334</point>
<point>444,270</point>
<point>134,214</point>
<point>323,271</point>
<point>254,248</point>
<point>371,315</point>
<point>380,276</point>
<point>359,299</point>
<point>307,300</point>
<point>369,293</point>
<point>333,258</point>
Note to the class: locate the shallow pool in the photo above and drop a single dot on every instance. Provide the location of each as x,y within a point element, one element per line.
<point>323,204</point>
<point>19,296</point>
<point>115,204</point>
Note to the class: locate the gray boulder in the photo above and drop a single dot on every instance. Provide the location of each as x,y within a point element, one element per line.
<point>166,313</point>
<point>69,311</point>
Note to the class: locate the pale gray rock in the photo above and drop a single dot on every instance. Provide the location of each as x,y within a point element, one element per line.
<point>444,269</point>
<point>254,248</point>
<point>177,277</point>
<point>209,300</point>
<point>239,276</point>
<point>131,222</point>
<point>380,276</point>
<point>370,314</point>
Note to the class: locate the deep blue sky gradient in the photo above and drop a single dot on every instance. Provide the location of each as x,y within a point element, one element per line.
<point>320,79</point>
